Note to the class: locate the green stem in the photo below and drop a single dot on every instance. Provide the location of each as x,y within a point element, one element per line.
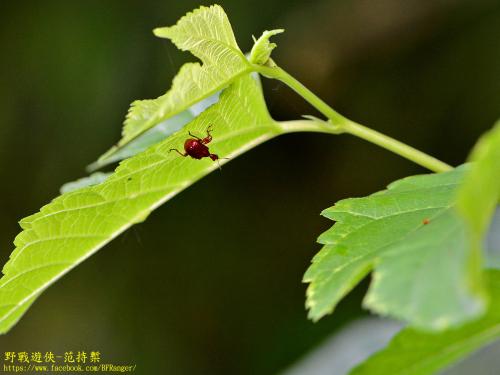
<point>397,147</point>
<point>312,125</point>
<point>340,124</point>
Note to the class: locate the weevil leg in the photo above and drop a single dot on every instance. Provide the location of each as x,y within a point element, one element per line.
<point>208,138</point>
<point>180,153</point>
<point>216,158</point>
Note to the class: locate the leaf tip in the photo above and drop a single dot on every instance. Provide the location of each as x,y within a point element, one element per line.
<point>162,32</point>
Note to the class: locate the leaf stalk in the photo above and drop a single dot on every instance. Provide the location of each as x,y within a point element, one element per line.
<point>339,124</point>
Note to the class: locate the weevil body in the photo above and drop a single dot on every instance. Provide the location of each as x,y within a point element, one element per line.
<point>197,147</point>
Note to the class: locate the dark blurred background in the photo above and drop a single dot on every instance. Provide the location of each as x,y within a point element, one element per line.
<point>211,283</point>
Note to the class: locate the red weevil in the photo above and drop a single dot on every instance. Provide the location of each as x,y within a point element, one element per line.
<point>196,147</point>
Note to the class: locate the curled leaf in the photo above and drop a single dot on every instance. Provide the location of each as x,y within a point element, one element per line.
<point>262,48</point>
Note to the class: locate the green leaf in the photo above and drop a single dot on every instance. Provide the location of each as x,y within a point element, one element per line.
<point>412,237</point>
<point>425,278</point>
<point>418,353</point>
<point>207,34</point>
<point>262,48</point>
<point>75,225</point>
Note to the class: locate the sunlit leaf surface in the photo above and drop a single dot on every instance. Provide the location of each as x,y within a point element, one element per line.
<point>77,224</point>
